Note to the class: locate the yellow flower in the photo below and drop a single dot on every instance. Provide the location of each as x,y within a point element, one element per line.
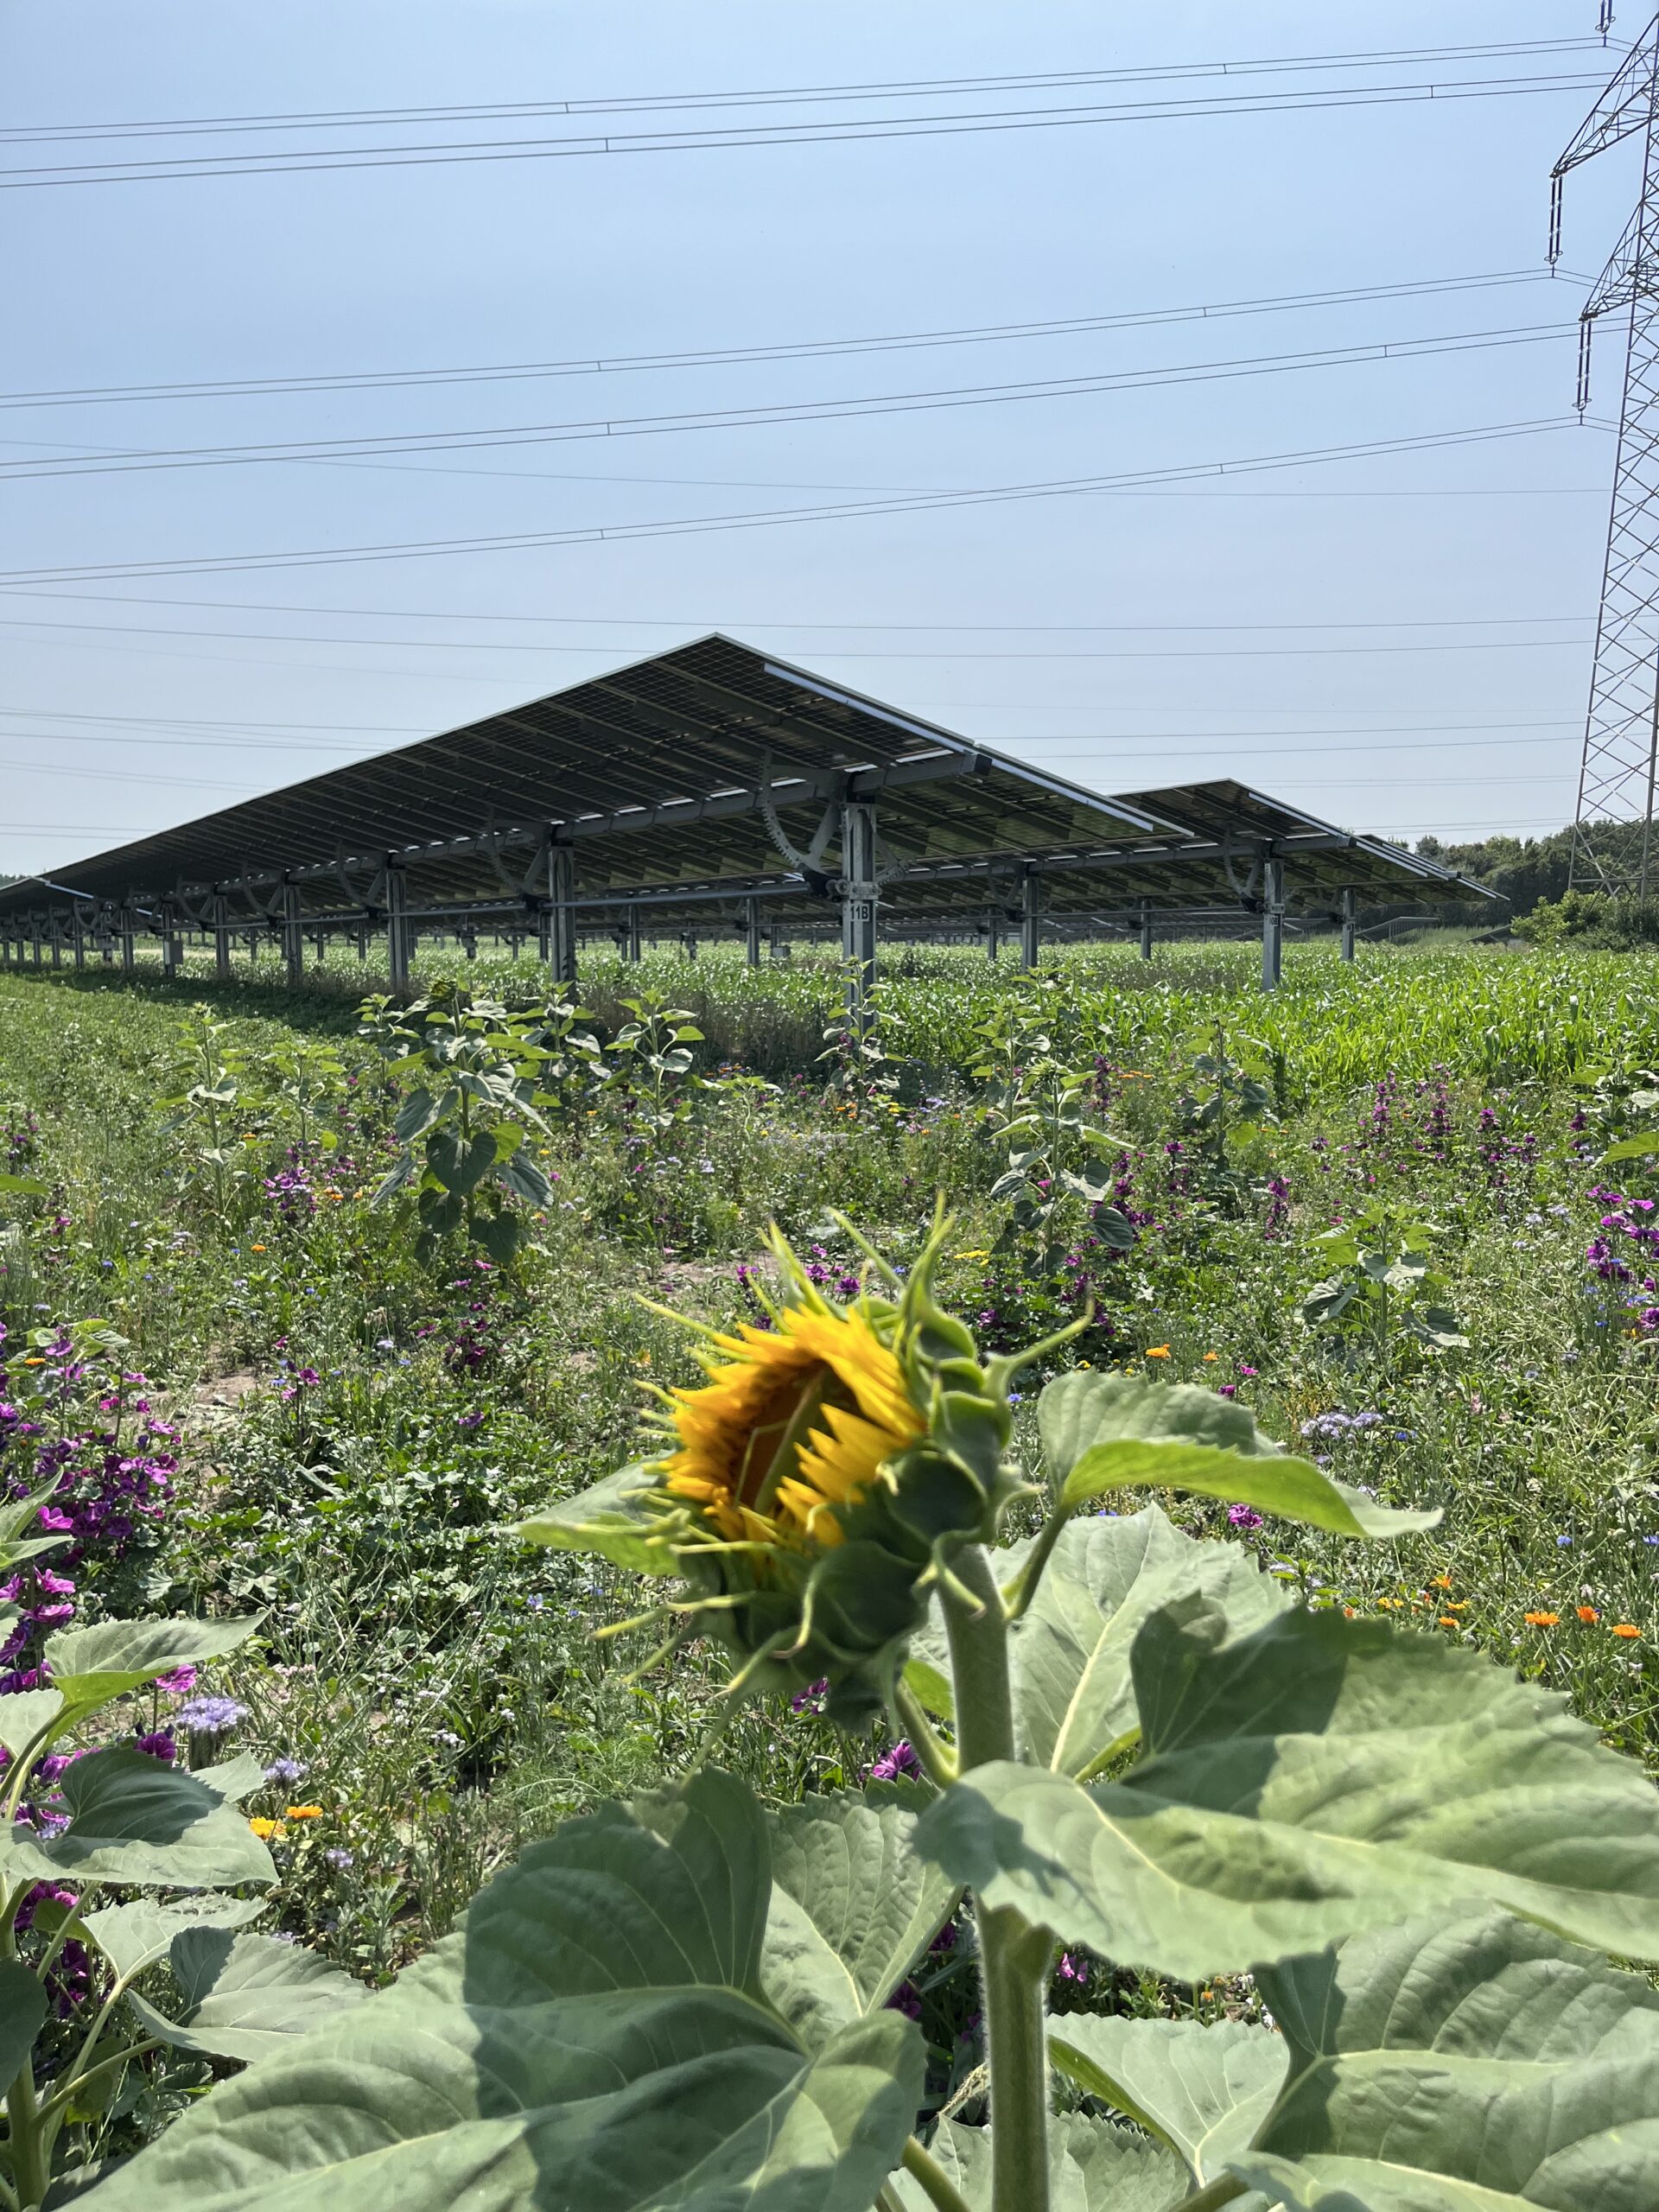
<point>264,1829</point>
<point>304,1812</point>
<point>1157,1352</point>
<point>796,1421</point>
<point>971,1256</point>
<point>256,1248</point>
<point>1212,1355</point>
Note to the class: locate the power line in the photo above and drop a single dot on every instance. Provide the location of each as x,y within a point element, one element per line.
<point>1375,57</point>
<point>593,534</point>
<point>702,622</point>
<point>973,123</point>
<point>780,350</point>
<point>900,652</point>
<point>789,411</point>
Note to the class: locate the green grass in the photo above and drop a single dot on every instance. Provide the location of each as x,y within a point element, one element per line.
<point>443,1688</point>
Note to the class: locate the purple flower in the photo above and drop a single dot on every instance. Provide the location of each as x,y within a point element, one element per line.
<point>341,1860</point>
<point>179,1683</point>
<point>210,1716</point>
<point>1243,1516</point>
<point>891,1766</point>
<point>159,1745</point>
<point>286,1771</point>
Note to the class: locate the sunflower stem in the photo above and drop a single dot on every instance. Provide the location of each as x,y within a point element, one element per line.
<point>938,1760</point>
<point>1013,1956</point>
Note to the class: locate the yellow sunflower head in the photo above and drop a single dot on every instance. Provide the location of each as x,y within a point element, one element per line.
<point>792,1426</point>
<point>813,1487</point>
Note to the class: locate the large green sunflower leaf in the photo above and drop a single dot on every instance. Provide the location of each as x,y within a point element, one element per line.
<point>246,1996</point>
<point>92,1665</point>
<point>1123,1432</point>
<point>854,1904</point>
<point>1092,2167</point>
<point>1446,2066</point>
<point>133,1819</point>
<point>593,2037</point>
<point>1317,1778</point>
<point>22,2015</point>
<point>1204,2091</point>
<point>609,1518</point>
<point>139,1935</point>
<point>1073,1693</point>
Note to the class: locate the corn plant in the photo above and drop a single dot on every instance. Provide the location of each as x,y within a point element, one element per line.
<point>462,1127</point>
<point>111,2002</point>
<point>1131,1740</point>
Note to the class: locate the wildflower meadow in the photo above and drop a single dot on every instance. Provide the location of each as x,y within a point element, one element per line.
<point>1044,1569</point>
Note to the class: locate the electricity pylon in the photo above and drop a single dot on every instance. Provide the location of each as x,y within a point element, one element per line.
<point>1621,737</point>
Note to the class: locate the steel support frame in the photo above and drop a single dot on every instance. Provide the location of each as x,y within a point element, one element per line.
<point>1031,919</point>
<point>858,894</point>
<point>1350,917</point>
<point>1272,922</point>
<point>399,932</point>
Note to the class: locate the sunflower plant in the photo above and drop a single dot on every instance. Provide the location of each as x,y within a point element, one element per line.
<point>1131,1740</point>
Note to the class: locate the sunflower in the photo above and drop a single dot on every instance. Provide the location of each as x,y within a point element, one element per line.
<point>793,1423</point>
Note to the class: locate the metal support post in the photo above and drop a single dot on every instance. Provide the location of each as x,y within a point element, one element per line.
<point>560,933</point>
<point>1272,922</point>
<point>858,897</point>
<point>170,947</point>
<point>993,933</point>
<point>127,960</point>
<point>1146,931</point>
<point>398,934</point>
<point>1350,901</point>
<point>1031,919</point>
<point>35,941</point>
<point>77,936</point>
<point>752,932</point>
<point>631,947</point>
<point>688,944</point>
<point>779,946</point>
<point>293,935</point>
<point>219,910</point>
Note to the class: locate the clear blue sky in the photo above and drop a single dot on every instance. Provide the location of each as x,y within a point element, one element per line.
<point>416,267</point>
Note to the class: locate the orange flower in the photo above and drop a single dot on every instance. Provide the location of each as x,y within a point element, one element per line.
<point>1449,1620</point>
<point>304,1812</point>
<point>256,1248</point>
<point>1545,1620</point>
<point>1625,1628</point>
<point>1157,1352</point>
<point>1441,1582</point>
<point>1588,1613</point>
<point>1212,1355</point>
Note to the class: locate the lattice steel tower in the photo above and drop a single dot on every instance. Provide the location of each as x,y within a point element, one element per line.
<point>1621,737</point>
